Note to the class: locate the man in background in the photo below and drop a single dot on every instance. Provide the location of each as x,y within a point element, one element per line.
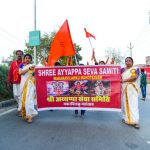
<point>15,78</point>
<point>143,83</point>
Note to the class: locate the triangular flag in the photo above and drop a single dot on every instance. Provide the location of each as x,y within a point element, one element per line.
<point>62,45</point>
<point>89,34</point>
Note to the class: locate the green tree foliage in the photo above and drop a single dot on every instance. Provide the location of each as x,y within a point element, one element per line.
<point>4,92</point>
<point>44,49</point>
<point>11,58</point>
<point>113,53</point>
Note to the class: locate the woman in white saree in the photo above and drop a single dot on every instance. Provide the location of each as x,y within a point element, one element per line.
<point>130,94</point>
<point>27,88</point>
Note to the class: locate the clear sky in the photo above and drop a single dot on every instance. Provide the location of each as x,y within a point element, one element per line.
<point>114,23</point>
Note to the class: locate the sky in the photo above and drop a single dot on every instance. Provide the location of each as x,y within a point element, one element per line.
<point>114,23</point>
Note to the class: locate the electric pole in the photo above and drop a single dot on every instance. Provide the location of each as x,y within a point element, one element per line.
<point>34,30</point>
<point>130,47</point>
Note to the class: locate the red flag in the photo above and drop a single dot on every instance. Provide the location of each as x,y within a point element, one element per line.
<point>89,34</point>
<point>62,45</point>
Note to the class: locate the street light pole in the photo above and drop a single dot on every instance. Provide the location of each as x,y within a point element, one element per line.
<point>34,30</point>
<point>130,47</point>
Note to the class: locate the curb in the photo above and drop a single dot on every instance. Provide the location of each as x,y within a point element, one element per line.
<point>7,103</point>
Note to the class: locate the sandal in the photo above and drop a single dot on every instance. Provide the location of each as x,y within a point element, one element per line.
<point>136,126</point>
<point>19,114</point>
<point>29,120</point>
<point>123,121</point>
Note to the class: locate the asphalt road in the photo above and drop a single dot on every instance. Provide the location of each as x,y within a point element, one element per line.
<point>61,130</point>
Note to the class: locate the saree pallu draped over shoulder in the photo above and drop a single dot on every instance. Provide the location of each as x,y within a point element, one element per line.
<point>130,98</point>
<point>28,97</point>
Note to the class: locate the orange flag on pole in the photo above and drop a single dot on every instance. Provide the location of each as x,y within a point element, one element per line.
<point>62,45</point>
<point>89,34</point>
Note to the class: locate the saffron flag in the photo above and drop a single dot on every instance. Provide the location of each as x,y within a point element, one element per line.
<point>89,34</point>
<point>62,45</point>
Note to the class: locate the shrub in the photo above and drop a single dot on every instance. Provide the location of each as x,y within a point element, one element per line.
<point>5,93</point>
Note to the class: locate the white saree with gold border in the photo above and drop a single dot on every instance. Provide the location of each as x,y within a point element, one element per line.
<point>130,98</point>
<point>28,95</point>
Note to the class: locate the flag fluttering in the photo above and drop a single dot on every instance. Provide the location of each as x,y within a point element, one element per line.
<point>62,45</point>
<point>89,34</point>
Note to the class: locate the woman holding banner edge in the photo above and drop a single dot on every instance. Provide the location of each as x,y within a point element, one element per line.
<point>130,94</point>
<point>27,89</point>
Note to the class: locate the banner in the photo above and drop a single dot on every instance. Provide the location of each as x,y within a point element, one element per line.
<point>79,87</point>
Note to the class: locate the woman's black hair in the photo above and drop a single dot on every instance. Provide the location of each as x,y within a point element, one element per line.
<point>130,59</point>
<point>57,64</point>
<point>102,62</point>
<point>81,64</point>
<point>28,56</point>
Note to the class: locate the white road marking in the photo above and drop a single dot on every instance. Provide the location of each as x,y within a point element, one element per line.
<point>8,111</point>
<point>148,142</point>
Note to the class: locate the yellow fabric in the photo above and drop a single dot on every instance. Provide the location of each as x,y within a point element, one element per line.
<point>127,106</point>
<point>127,103</point>
<point>25,92</point>
<point>130,97</point>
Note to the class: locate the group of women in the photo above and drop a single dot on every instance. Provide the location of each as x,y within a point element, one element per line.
<point>129,76</point>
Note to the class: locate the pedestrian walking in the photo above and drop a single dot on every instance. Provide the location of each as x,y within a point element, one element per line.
<point>27,89</point>
<point>15,78</point>
<point>143,84</point>
<point>130,108</point>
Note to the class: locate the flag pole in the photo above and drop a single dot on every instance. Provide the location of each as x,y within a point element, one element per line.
<point>34,30</point>
<point>77,62</point>
<point>91,47</point>
<point>90,43</point>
